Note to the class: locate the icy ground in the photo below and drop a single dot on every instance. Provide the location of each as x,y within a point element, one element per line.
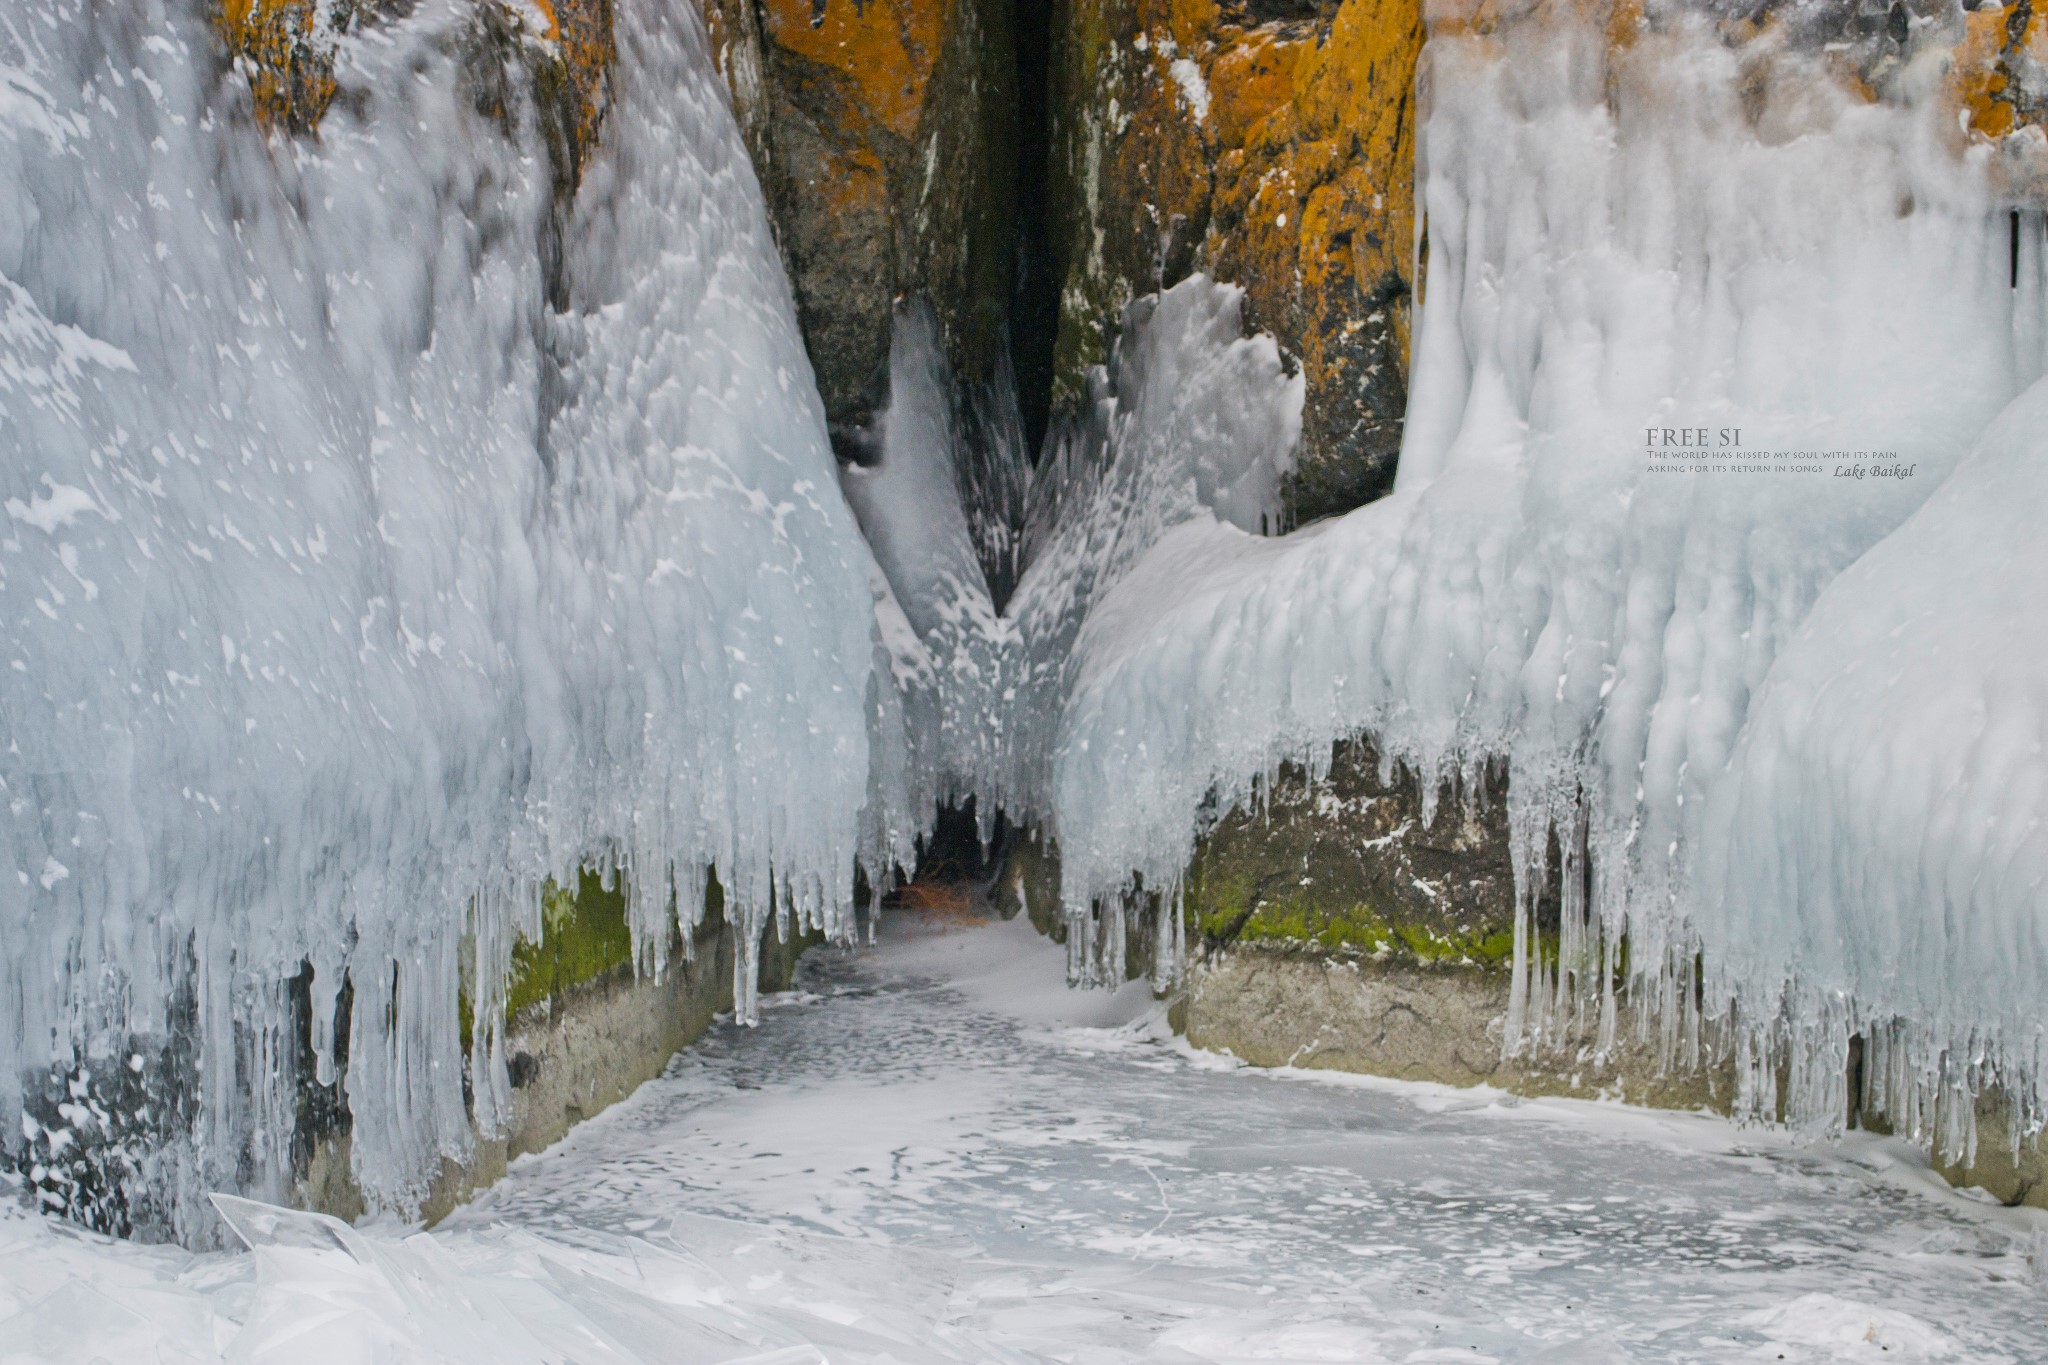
<point>935,1152</point>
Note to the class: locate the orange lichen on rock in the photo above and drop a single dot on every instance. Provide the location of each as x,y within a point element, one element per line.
<point>286,48</point>
<point>581,31</point>
<point>1318,223</point>
<point>885,50</point>
<point>1275,153</point>
<point>1984,77</point>
<point>1250,80</point>
<point>290,68</point>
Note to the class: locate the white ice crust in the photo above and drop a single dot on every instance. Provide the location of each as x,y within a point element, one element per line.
<point>348,589</point>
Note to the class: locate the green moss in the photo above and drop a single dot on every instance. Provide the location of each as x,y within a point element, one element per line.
<point>1348,866</point>
<point>1354,929</point>
<point>584,937</point>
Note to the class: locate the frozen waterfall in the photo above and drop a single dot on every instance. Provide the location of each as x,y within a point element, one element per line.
<point>350,589</point>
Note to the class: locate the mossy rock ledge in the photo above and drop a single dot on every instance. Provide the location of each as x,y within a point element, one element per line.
<point>583,1031</point>
<point>1336,924</point>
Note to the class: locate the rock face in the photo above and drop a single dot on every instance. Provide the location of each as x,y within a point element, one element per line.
<point>1344,924</point>
<point>884,132</point>
<point>561,51</point>
<point>289,65</point>
<point>1269,143</point>
<point>1354,865</point>
<point>1414,1020</point>
<point>1030,170</point>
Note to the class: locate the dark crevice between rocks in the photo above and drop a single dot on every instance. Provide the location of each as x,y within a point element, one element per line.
<point>1035,296</point>
<point>1004,380</point>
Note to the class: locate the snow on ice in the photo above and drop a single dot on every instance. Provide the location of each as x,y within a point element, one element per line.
<point>937,1153</point>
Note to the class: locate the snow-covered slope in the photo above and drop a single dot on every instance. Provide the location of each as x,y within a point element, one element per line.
<point>348,589</point>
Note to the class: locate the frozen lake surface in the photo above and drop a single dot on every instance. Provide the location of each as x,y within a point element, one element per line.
<point>935,1152</point>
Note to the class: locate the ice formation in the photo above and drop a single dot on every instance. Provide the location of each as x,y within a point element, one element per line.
<point>1667,235</point>
<point>1191,418</point>
<point>364,564</point>
<point>350,589</point>
<point>1878,839</point>
<point>1191,424</point>
<point>936,617</point>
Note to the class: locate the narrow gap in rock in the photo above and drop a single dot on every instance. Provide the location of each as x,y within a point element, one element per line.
<point>1035,300</point>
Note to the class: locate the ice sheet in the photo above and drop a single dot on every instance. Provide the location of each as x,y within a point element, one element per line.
<point>936,1152</point>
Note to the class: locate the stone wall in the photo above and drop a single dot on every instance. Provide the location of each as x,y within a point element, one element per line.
<point>1395,1015</point>
<point>2014,1172</point>
<point>884,134</point>
<point>1347,923</point>
<point>1269,143</point>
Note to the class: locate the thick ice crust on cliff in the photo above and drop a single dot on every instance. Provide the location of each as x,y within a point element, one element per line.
<point>1877,843</point>
<point>347,589</point>
<point>1191,420</point>
<point>1620,241</point>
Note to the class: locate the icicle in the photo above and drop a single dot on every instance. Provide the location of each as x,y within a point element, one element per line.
<point>1080,946</point>
<point>1516,1026</point>
<point>1170,953</point>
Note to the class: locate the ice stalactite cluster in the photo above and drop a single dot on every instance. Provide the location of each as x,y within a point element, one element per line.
<point>1674,234</point>
<point>349,588</point>
<point>1878,848</point>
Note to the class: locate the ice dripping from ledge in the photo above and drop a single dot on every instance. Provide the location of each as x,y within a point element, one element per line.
<point>1624,239</point>
<point>349,589</point>
<point>1877,842</point>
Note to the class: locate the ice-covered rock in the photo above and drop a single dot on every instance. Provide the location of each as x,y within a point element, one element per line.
<point>348,589</point>
<point>1825,298</point>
